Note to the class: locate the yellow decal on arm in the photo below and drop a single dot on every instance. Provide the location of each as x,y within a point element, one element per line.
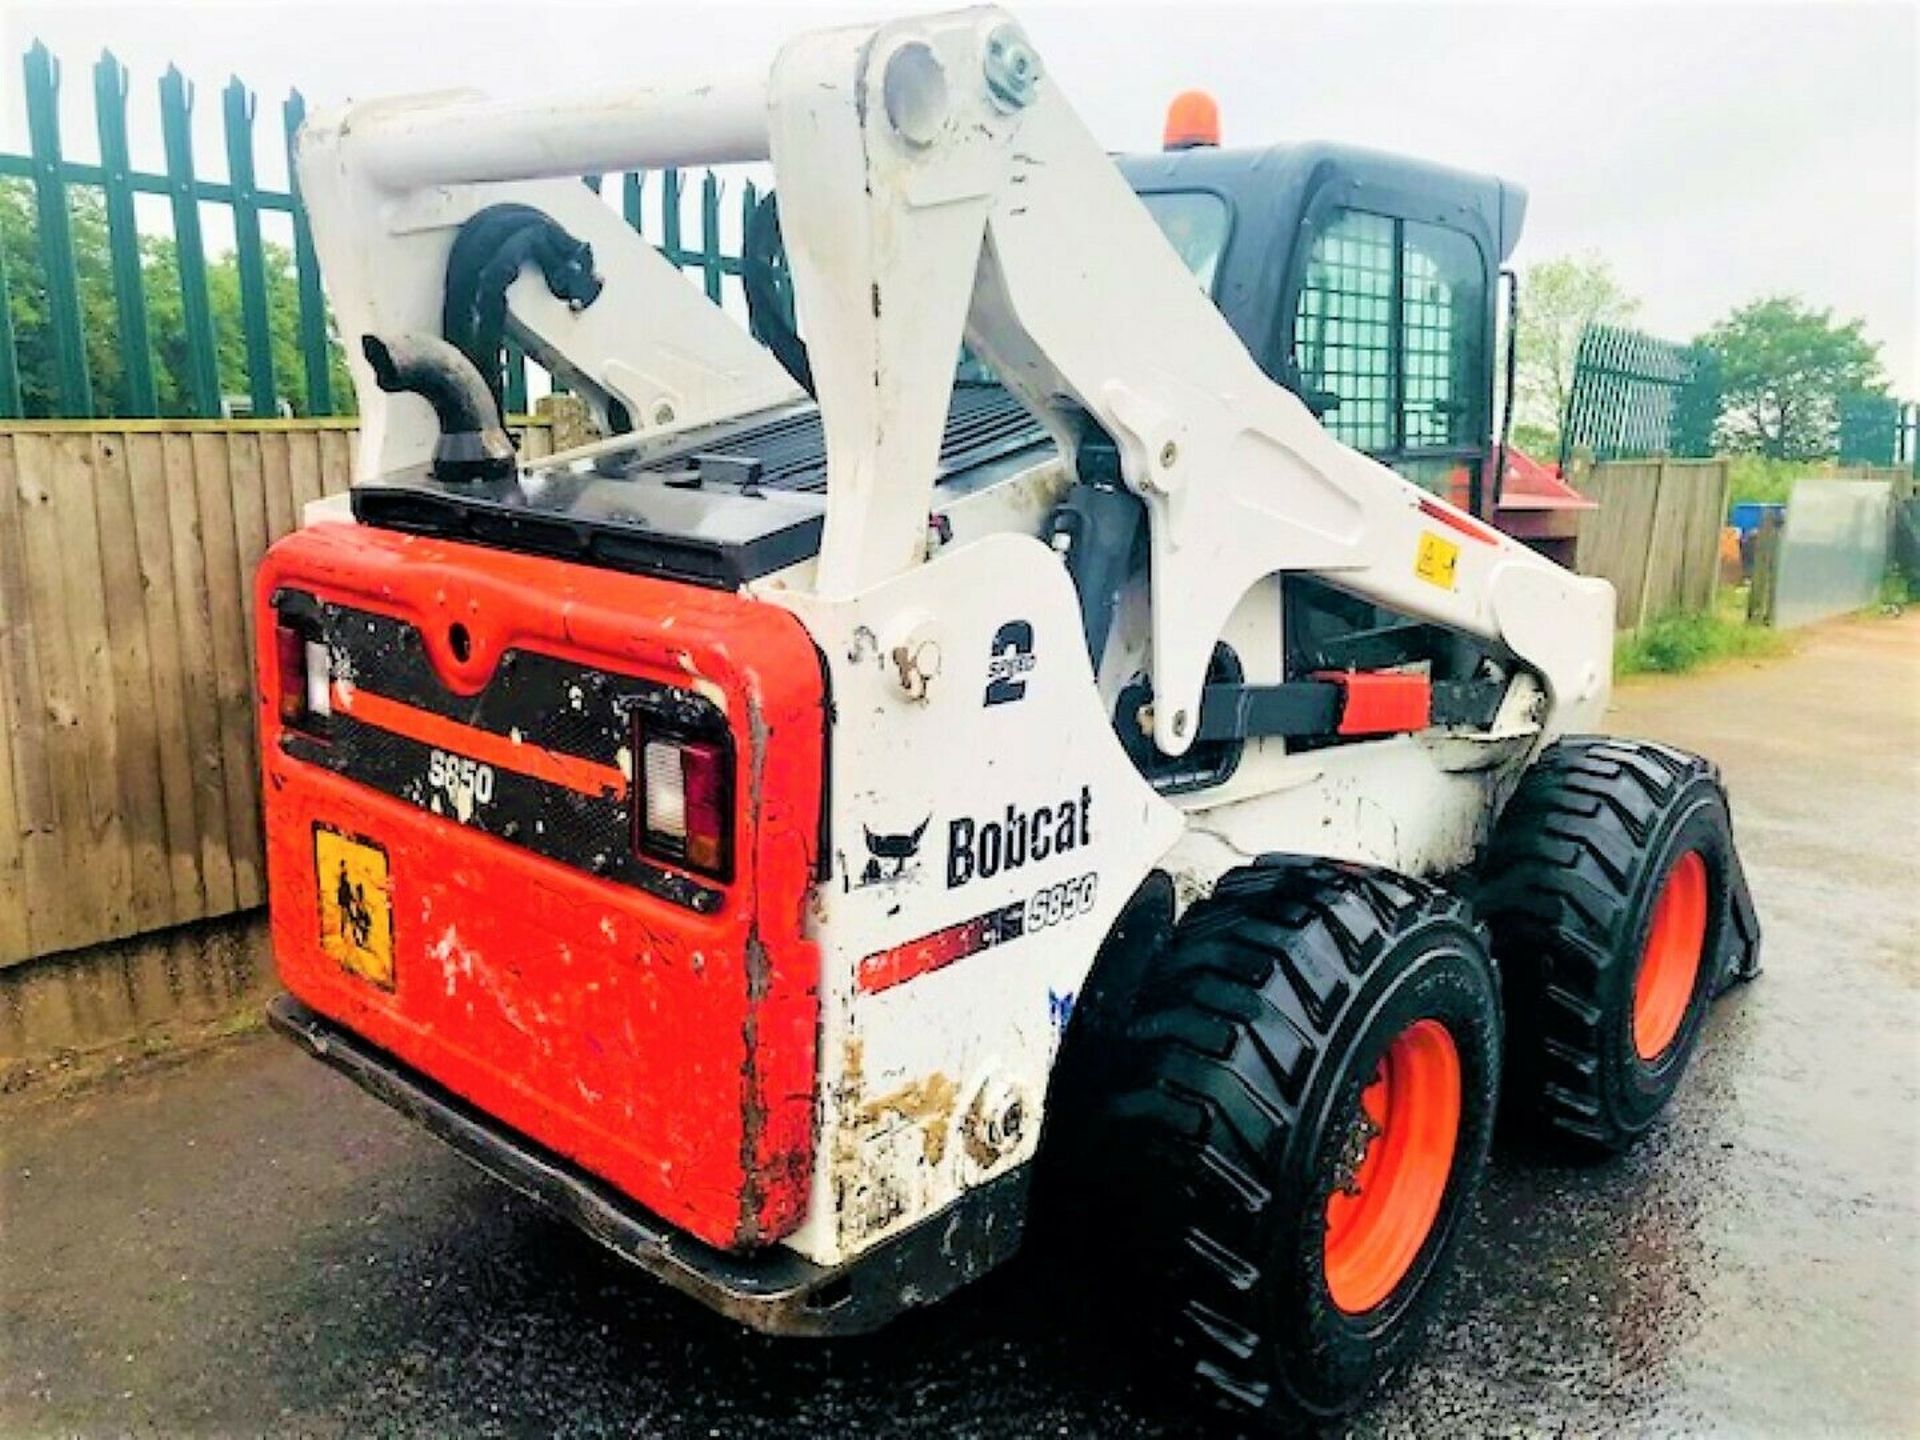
<point>1434,560</point>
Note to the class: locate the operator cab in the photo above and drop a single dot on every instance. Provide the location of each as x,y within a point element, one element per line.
<point>1365,283</point>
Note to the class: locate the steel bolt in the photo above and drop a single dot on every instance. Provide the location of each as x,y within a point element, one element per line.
<point>995,1122</point>
<point>1012,68</point>
<point>1012,1120</point>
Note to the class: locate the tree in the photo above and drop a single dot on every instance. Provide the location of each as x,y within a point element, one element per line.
<point>1559,299</point>
<point>1784,368</point>
<point>28,302</point>
<point>166,322</point>
<point>167,326</point>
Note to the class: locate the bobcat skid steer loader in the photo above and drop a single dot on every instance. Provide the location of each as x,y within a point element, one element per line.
<point>772,833</point>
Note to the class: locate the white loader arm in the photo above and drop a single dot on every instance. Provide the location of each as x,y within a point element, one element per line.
<point>930,178</point>
<point>935,184</point>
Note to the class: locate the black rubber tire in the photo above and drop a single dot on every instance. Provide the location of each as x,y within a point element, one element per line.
<point>1240,1071</point>
<point>1567,890</point>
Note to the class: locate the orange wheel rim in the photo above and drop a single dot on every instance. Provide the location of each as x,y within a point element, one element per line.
<point>1670,964</point>
<point>1395,1167</point>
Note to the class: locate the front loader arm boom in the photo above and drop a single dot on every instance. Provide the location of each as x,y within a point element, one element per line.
<point>935,185</point>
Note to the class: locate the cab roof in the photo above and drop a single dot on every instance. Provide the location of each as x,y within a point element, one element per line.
<point>1275,182</point>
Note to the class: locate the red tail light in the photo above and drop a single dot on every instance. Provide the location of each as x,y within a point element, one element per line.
<point>291,648</point>
<point>683,811</point>
<point>704,769</point>
<point>304,677</point>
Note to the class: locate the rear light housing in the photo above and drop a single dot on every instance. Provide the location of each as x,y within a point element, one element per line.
<point>683,801</point>
<point>304,675</point>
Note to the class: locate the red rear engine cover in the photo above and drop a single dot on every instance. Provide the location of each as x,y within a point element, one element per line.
<point>579,998</point>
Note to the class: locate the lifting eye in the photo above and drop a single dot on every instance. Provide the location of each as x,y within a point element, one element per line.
<point>459,642</point>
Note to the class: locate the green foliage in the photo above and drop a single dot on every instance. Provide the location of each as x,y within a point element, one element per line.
<point>1668,646</point>
<point>1676,643</point>
<point>1758,477</point>
<point>166,321</point>
<point>1540,441</point>
<point>27,294</point>
<point>1784,367</point>
<point>1558,300</point>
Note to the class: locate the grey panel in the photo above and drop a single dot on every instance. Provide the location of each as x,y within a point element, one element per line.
<point>1834,550</point>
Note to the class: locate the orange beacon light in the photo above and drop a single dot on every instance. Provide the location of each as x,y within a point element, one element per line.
<point>1193,120</point>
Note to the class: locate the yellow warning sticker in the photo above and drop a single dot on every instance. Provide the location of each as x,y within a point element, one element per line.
<point>356,904</point>
<point>1434,561</point>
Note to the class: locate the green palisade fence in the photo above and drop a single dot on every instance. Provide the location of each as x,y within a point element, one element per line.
<point>47,322</point>
<point>1869,427</point>
<point>1634,396</point>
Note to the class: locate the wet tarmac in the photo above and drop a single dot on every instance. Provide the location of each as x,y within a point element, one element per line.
<point>245,1243</point>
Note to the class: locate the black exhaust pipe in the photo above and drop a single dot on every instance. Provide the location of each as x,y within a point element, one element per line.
<point>473,444</point>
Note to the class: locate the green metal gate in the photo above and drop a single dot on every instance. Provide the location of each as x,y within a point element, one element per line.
<point>1634,396</point>
<point>62,318</point>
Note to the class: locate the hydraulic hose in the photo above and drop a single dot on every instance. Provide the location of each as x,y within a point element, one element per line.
<point>769,287</point>
<point>487,256</point>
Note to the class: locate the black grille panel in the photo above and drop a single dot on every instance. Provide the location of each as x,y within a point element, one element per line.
<point>551,704</point>
<point>985,423</point>
<point>598,517</point>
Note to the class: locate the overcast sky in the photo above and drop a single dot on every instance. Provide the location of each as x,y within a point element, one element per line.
<point>1712,152</point>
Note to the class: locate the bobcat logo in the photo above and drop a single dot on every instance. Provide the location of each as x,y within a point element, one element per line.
<point>892,857</point>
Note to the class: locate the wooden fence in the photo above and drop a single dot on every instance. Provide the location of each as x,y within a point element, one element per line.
<point>1656,535</point>
<point>129,785</point>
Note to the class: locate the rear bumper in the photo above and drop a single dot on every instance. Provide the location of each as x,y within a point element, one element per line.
<point>771,1290</point>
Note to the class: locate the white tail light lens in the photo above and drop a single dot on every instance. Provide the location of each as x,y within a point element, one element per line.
<point>319,679</point>
<point>666,790</point>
